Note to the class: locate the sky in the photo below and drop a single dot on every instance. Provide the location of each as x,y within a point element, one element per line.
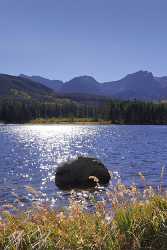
<point>61,39</point>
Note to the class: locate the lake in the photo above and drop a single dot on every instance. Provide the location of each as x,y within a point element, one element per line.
<point>29,155</point>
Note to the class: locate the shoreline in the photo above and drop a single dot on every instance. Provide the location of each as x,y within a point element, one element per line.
<point>70,123</point>
<point>78,121</point>
<point>81,123</point>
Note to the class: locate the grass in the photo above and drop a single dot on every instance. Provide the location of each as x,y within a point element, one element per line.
<point>69,120</point>
<point>128,219</point>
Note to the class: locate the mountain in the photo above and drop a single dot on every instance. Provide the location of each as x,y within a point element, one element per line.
<point>141,85</point>
<point>81,85</point>
<point>20,87</point>
<point>52,84</point>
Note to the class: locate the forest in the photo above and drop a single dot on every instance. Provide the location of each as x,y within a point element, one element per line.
<point>118,112</point>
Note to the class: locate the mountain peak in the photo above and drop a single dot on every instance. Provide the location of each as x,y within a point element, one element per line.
<point>84,78</point>
<point>141,74</point>
<point>82,84</point>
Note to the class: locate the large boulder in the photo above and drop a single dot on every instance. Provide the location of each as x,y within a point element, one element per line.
<point>80,173</point>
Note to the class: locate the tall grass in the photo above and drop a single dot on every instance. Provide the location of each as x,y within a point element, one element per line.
<point>127,219</point>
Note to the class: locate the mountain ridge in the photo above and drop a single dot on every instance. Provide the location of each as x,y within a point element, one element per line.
<point>141,85</point>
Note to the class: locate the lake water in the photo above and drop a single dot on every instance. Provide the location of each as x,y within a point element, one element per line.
<point>29,155</point>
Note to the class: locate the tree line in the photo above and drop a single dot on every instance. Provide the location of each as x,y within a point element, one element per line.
<point>119,112</point>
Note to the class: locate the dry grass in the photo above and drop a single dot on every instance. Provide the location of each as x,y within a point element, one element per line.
<point>70,120</point>
<point>127,219</point>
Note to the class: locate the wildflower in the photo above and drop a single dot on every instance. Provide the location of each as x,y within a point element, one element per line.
<point>109,217</point>
<point>133,189</point>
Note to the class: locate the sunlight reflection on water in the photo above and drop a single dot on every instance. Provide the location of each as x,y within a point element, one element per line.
<point>29,154</point>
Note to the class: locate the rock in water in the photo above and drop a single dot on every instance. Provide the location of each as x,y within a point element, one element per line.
<point>76,173</point>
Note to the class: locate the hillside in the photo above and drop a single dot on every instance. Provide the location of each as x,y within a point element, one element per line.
<point>55,85</point>
<point>23,88</point>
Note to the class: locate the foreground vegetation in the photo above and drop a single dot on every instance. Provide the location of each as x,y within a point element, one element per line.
<point>128,219</point>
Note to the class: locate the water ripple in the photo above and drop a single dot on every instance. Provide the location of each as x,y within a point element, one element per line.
<point>30,154</point>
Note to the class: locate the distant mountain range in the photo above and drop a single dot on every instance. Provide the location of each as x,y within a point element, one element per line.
<point>141,85</point>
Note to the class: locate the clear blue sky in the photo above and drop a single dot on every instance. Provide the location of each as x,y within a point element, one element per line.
<point>61,39</point>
